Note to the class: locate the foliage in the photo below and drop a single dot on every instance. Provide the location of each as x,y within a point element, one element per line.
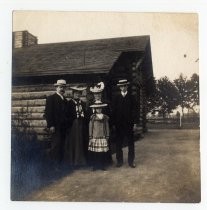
<point>152,98</point>
<point>168,95</point>
<point>164,99</point>
<point>188,91</point>
<point>193,87</point>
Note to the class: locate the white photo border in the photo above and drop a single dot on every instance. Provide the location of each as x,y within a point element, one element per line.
<point>6,8</point>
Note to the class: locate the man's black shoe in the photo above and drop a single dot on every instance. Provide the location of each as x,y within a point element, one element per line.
<point>118,165</point>
<point>132,165</point>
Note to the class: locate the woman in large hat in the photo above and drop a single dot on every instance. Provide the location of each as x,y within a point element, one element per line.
<point>96,95</point>
<point>75,139</point>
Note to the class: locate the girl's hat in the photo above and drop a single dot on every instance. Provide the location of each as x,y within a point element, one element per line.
<point>122,82</point>
<point>97,88</point>
<point>60,82</point>
<point>77,88</point>
<point>98,104</point>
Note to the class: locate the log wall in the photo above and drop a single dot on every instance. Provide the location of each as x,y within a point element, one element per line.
<point>28,106</point>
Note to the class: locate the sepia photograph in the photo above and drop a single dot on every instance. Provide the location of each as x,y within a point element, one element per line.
<point>105,107</point>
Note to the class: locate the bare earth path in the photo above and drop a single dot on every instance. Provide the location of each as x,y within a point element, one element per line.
<point>167,170</point>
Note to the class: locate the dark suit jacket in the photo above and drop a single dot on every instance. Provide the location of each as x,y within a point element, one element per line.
<point>55,111</point>
<point>124,110</point>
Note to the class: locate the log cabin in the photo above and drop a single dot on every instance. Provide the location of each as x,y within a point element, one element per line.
<point>36,67</point>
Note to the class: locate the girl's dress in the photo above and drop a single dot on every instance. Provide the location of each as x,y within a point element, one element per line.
<point>98,140</point>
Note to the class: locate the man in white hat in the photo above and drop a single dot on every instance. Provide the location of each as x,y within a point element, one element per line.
<point>123,116</point>
<point>55,114</point>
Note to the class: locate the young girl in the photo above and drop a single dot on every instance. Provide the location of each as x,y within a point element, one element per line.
<point>98,136</point>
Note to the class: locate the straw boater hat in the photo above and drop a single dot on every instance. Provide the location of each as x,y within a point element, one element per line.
<point>122,82</point>
<point>78,88</point>
<point>97,88</point>
<point>60,82</point>
<point>98,104</point>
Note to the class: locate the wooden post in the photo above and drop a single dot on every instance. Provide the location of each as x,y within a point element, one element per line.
<point>180,120</point>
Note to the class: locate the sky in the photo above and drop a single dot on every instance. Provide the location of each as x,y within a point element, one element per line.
<point>173,36</point>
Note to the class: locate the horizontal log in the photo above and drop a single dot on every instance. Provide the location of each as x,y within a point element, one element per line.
<point>38,123</point>
<point>33,88</point>
<point>29,116</point>
<point>39,95</point>
<point>25,103</point>
<point>31,95</point>
<point>29,123</point>
<point>22,110</point>
<point>33,130</point>
<point>41,87</point>
<point>42,130</point>
<point>43,138</point>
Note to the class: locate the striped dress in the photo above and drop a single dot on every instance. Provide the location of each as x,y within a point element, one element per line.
<point>98,133</point>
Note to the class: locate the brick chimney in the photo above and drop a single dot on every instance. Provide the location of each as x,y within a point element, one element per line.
<point>23,39</point>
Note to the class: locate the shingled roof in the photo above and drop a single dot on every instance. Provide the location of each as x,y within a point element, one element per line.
<point>80,57</point>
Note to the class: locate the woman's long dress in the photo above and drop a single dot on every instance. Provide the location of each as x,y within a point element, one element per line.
<point>75,136</point>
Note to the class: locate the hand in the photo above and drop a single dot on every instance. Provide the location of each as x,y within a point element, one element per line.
<point>52,129</point>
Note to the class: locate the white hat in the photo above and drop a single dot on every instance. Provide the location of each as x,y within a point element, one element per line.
<point>60,82</point>
<point>97,88</point>
<point>122,82</point>
<point>78,88</point>
<point>98,104</point>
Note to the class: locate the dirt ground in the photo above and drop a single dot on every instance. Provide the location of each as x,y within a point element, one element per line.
<point>168,170</point>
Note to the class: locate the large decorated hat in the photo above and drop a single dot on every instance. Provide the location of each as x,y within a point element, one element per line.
<point>122,82</point>
<point>60,82</point>
<point>99,87</point>
<point>98,104</point>
<point>78,88</point>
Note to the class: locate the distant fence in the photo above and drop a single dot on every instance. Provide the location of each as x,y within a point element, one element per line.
<point>174,123</point>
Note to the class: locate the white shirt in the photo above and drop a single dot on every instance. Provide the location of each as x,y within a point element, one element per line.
<point>124,93</point>
<point>60,95</point>
<point>100,116</point>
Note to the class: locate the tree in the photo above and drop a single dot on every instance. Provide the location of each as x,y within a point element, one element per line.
<point>181,85</point>
<point>193,92</point>
<point>188,91</point>
<point>152,98</point>
<point>165,97</point>
<point>168,96</point>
